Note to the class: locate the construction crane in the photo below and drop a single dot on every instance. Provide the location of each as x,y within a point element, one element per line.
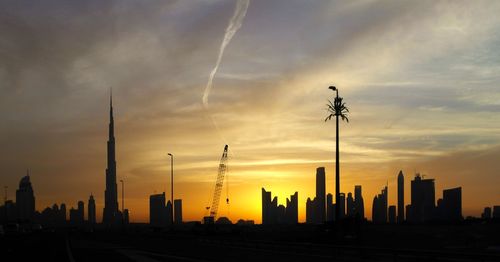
<point>210,219</point>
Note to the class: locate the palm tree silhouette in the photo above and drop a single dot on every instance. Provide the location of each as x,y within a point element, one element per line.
<point>337,109</point>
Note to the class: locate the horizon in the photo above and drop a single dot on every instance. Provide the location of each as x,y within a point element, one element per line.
<point>420,80</point>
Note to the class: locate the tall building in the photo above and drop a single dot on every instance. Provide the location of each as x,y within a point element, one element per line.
<point>320,195</point>
<point>178,211</point>
<point>359,205</point>
<point>76,216</point>
<point>266,207</point>
<point>401,197</point>
<point>25,199</point>
<point>159,211</point>
<point>91,210</point>
<point>392,214</point>
<point>350,205</point>
<point>496,212</point>
<point>311,211</point>
<point>451,209</point>
<point>81,212</point>
<point>341,205</point>
<point>486,213</point>
<point>110,213</point>
<point>272,213</point>
<point>292,209</point>
<point>330,212</point>
<point>62,213</point>
<point>379,208</point>
<point>423,199</point>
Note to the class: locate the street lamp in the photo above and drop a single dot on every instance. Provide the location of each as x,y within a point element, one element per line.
<point>338,108</point>
<point>172,184</point>
<point>123,196</point>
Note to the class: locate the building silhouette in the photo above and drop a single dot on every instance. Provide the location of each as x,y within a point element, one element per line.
<point>316,207</point>
<point>486,213</point>
<point>423,199</point>
<point>450,207</point>
<point>401,197</point>
<point>341,205</point>
<point>91,210</point>
<point>350,205</point>
<point>392,214</point>
<point>62,213</point>
<point>320,195</point>
<point>359,205</point>
<point>159,211</point>
<point>272,213</point>
<point>330,208</point>
<point>292,209</point>
<point>496,212</point>
<point>178,211</point>
<point>110,213</point>
<point>311,211</point>
<point>25,199</point>
<point>355,205</point>
<point>379,208</point>
<point>77,216</point>
<point>53,216</point>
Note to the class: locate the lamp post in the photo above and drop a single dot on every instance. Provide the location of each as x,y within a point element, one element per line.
<point>5,187</point>
<point>123,196</point>
<point>172,185</point>
<point>337,165</point>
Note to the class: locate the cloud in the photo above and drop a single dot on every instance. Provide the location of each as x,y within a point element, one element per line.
<point>420,79</point>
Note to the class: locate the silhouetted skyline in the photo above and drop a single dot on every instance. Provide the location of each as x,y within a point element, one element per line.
<point>425,103</point>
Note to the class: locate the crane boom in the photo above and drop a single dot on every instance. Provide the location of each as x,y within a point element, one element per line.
<point>218,184</point>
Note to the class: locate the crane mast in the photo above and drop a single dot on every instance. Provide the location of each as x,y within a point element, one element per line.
<point>218,188</point>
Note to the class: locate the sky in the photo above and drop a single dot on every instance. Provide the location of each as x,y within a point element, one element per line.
<point>420,79</point>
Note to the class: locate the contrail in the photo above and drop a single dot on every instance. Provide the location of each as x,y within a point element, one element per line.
<point>234,24</point>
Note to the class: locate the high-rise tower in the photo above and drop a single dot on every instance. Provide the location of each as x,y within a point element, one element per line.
<point>401,197</point>
<point>110,213</point>
<point>320,195</point>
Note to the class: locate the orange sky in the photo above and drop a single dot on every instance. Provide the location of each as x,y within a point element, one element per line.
<point>420,79</point>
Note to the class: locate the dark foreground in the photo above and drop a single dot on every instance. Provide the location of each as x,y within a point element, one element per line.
<point>256,243</point>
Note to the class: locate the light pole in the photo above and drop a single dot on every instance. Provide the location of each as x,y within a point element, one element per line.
<point>337,165</point>
<point>123,196</point>
<point>5,187</point>
<point>172,185</point>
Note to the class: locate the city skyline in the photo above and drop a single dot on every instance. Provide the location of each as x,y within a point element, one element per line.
<point>428,103</point>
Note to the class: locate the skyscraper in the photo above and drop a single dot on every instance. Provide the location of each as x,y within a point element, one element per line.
<point>350,205</point>
<point>178,211</point>
<point>292,209</point>
<point>392,214</point>
<point>330,213</point>
<point>81,212</point>
<point>320,195</point>
<point>158,214</point>
<point>486,213</point>
<point>272,213</point>
<point>452,204</point>
<point>423,199</point>
<point>110,213</point>
<point>91,210</point>
<point>266,207</point>
<point>341,205</point>
<point>359,204</point>
<point>25,199</point>
<point>401,197</point>
<point>379,208</point>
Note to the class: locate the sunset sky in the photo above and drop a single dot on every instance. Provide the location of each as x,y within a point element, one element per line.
<point>421,80</point>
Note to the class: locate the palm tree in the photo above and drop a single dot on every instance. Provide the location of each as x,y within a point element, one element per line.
<point>337,108</point>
